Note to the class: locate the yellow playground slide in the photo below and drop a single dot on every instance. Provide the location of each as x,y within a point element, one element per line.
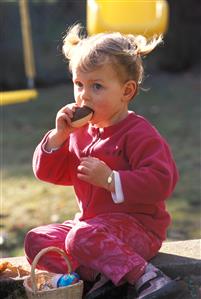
<point>146,17</point>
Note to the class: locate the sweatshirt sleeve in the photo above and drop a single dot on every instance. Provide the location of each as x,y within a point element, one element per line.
<point>52,167</point>
<point>153,174</point>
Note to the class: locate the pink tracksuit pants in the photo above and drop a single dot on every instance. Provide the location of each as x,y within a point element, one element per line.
<point>113,244</point>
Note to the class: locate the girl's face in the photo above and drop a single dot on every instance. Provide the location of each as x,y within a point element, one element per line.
<point>102,90</point>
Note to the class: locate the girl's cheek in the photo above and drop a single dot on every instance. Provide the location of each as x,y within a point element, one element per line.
<point>76,93</point>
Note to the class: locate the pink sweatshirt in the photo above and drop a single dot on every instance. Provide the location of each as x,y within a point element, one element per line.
<point>135,149</point>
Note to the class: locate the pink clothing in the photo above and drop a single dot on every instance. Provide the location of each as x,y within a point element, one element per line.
<point>148,176</point>
<point>132,147</point>
<point>112,244</point>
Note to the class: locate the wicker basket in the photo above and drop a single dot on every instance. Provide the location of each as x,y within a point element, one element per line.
<point>31,283</point>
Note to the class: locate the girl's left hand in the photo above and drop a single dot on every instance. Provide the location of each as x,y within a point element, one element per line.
<point>94,171</point>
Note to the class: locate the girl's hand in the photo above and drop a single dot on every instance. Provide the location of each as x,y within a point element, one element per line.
<point>62,127</point>
<point>63,119</point>
<point>96,172</point>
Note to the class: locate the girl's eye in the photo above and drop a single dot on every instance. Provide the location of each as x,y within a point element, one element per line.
<point>97,86</point>
<point>78,84</point>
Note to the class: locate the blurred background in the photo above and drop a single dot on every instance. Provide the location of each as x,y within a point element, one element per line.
<point>170,99</point>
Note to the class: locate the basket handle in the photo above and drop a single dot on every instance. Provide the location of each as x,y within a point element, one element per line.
<point>37,258</point>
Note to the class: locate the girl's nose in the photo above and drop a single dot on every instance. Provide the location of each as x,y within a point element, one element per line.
<point>84,97</point>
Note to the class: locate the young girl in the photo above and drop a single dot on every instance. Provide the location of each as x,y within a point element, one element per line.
<point>121,168</point>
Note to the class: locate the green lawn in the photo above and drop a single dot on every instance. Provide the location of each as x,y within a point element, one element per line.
<point>170,102</point>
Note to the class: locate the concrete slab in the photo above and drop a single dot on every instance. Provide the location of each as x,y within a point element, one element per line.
<point>188,248</point>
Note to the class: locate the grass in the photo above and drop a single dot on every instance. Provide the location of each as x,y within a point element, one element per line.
<point>172,104</point>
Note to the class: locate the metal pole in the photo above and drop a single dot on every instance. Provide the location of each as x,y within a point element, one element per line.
<point>27,43</point>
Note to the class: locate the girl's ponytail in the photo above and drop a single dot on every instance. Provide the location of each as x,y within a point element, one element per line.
<point>71,39</point>
<point>141,45</point>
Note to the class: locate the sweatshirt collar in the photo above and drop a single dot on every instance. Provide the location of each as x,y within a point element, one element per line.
<point>108,131</point>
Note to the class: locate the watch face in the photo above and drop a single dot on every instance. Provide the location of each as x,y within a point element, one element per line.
<point>109,180</point>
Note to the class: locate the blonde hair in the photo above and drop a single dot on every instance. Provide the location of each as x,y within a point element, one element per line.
<point>125,52</point>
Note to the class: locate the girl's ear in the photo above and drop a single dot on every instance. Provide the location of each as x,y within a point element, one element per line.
<point>130,90</point>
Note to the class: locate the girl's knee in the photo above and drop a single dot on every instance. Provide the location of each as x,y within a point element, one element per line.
<point>82,236</point>
<point>33,243</point>
<point>73,238</point>
<point>29,244</point>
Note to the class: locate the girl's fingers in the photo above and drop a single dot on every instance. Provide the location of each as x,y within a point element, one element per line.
<point>85,164</point>
<point>83,169</point>
<point>83,177</point>
<point>89,159</point>
<point>69,109</point>
<point>64,116</point>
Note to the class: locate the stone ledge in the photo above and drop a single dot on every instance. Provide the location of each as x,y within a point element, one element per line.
<point>182,258</point>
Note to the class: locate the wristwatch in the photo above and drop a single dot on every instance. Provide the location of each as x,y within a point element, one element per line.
<point>110,178</point>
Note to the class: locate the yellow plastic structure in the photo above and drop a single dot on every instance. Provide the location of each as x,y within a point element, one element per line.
<point>12,97</point>
<point>18,96</point>
<point>146,17</point>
